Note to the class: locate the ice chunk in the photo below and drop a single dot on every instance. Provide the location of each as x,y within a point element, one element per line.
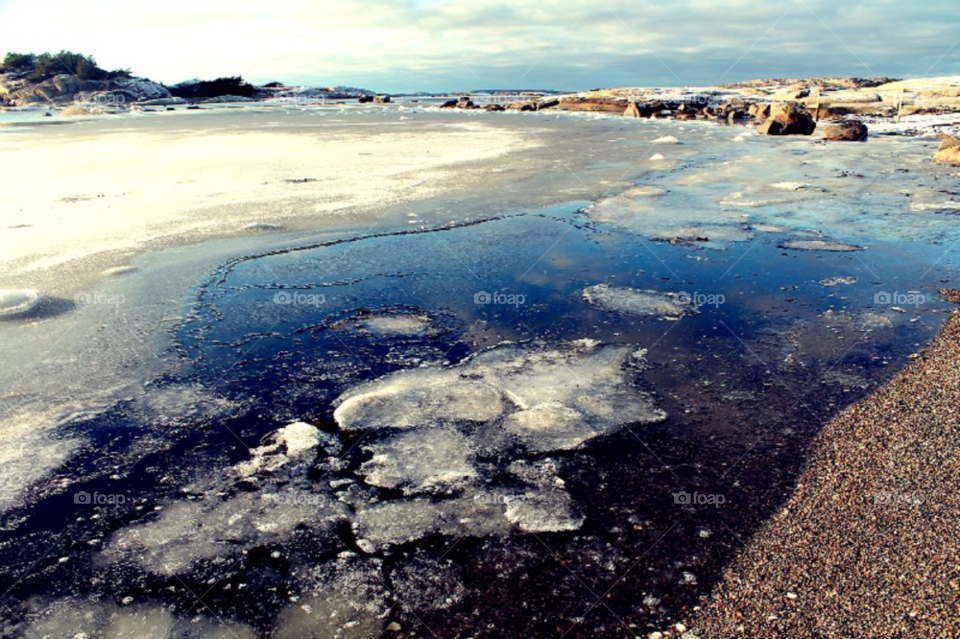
<point>188,531</point>
<point>837,280</point>
<point>423,583</point>
<point>546,507</point>
<point>718,235</point>
<point>421,461</point>
<point>415,398</point>
<point>630,301</point>
<point>667,139</point>
<point>549,426</point>
<point>789,186</point>
<point>396,324</point>
<point>343,599</point>
<point>820,245</point>
<point>282,446</point>
<point>18,301</point>
<point>225,521</point>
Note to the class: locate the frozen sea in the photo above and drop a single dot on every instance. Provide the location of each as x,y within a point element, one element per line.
<point>553,402</point>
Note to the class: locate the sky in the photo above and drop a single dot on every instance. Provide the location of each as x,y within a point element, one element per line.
<point>459,45</point>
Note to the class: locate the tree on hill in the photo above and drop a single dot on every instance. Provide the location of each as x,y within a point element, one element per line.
<point>200,89</point>
<point>46,65</point>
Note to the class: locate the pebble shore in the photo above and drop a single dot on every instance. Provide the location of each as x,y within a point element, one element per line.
<point>869,543</point>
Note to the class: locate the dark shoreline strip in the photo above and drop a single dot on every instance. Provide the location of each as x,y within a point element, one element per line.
<point>869,543</point>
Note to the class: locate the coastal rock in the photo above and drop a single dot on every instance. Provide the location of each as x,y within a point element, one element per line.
<point>791,94</point>
<point>846,132</point>
<point>633,111</point>
<point>366,99</point>
<point>788,119</point>
<point>449,104</point>
<point>382,99</point>
<point>65,89</point>
<point>761,112</point>
<point>949,151</point>
<point>494,108</point>
<point>608,105</point>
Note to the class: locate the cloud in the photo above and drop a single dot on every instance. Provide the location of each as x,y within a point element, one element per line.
<point>462,44</point>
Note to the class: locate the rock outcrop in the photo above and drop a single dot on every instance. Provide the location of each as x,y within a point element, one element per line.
<point>607,105</point>
<point>846,132</point>
<point>66,89</point>
<point>788,119</point>
<point>949,151</point>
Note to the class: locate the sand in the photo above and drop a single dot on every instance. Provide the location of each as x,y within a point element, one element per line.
<point>869,543</point>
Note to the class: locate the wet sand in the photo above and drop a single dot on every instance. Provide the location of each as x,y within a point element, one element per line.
<point>868,544</point>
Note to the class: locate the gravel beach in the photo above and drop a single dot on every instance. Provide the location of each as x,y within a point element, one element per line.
<point>868,544</point>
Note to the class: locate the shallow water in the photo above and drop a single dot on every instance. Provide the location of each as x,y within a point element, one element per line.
<point>498,416</point>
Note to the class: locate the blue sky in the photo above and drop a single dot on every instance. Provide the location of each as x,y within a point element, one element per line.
<point>439,45</point>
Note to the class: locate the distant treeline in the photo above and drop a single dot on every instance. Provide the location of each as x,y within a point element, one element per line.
<point>46,65</point>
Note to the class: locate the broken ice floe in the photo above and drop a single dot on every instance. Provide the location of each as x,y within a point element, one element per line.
<point>421,461</point>
<point>15,302</point>
<point>630,301</point>
<point>80,619</point>
<point>226,520</point>
<point>342,599</point>
<point>837,280</point>
<point>396,324</point>
<point>445,438</point>
<point>820,245</point>
<point>666,139</point>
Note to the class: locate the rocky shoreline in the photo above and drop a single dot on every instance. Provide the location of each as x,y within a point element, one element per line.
<point>868,544</point>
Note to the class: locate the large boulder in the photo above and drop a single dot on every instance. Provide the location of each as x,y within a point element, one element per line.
<point>789,119</point>
<point>846,132</point>
<point>949,151</point>
<point>633,111</point>
<point>761,112</point>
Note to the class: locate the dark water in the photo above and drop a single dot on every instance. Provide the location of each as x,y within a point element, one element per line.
<point>746,384</point>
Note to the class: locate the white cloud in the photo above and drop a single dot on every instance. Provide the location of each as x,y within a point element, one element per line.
<point>468,44</point>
